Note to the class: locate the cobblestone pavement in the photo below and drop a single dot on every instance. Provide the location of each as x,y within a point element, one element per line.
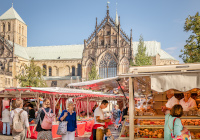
<point>86,136</point>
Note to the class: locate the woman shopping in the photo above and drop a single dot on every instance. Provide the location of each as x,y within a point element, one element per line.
<point>43,134</point>
<point>69,116</point>
<point>173,123</point>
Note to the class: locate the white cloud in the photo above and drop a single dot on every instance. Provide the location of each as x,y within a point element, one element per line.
<point>171,48</point>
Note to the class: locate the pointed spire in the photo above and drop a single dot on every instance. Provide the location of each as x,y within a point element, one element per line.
<point>108,8</point>
<point>116,17</point>
<point>96,22</point>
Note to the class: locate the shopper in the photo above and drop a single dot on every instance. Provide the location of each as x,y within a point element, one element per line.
<point>99,122</point>
<point>125,111</point>
<point>187,102</point>
<point>69,116</point>
<point>6,120</point>
<point>31,113</point>
<point>43,134</point>
<point>171,101</point>
<point>117,112</point>
<point>173,123</point>
<point>21,122</point>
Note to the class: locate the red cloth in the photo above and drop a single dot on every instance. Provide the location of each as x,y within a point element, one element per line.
<point>80,129</point>
<point>33,135</point>
<point>54,131</point>
<point>108,123</point>
<point>95,127</point>
<point>89,125</point>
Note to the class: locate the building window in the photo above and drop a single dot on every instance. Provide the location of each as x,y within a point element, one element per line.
<point>44,70</point>
<point>108,32</point>
<point>108,66</point>
<point>73,71</point>
<point>22,30</point>
<point>8,26</point>
<point>89,68</point>
<point>79,70</point>
<point>19,28</point>
<point>57,72</point>
<point>54,84</point>
<point>102,42</point>
<point>115,42</point>
<point>8,37</point>
<point>4,27</point>
<point>50,71</point>
<point>9,81</point>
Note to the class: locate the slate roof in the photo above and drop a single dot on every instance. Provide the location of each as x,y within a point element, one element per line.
<point>11,14</point>
<point>69,52</point>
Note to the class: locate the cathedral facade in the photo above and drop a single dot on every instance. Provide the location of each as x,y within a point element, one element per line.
<point>109,48</point>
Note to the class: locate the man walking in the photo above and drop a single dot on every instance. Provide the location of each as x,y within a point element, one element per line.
<point>19,122</point>
<point>6,120</point>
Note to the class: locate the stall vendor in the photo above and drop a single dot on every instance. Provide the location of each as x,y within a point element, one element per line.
<point>171,101</point>
<point>82,115</point>
<point>187,102</point>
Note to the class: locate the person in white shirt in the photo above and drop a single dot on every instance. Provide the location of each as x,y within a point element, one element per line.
<point>24,116</point>
<point>187,102</point>
<point>171,101</point>
<point>99,121</point>
<point>6,120</point>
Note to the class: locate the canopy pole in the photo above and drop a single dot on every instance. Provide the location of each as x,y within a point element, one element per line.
<point>38,101</point>
<point>109,105</point>
<point>131,108</point>
<point>54,107</point>
<point>87,107</point>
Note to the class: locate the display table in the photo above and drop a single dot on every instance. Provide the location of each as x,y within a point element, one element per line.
<point>89,124</point>
<point>81,128</point>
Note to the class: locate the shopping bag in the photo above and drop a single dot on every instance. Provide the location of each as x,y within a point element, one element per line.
<point>62,128</point>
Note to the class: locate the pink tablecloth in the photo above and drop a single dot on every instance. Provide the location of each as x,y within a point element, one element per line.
<point>81,128</point>
<point>89,124</point>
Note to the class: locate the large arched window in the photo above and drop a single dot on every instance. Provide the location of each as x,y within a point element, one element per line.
<point>8,26</point>
<point>79,70</point>
<point>50,71</point>
<point>44,70</point>
<point>107,66</point>
<point>8,37</point>
<point>73,71</point>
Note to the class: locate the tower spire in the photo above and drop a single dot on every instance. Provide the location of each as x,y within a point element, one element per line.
<point>108,8</point>
<point>116,17</point>
<point>12,3</point>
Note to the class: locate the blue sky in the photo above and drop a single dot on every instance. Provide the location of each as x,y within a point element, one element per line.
<point>65,22</point>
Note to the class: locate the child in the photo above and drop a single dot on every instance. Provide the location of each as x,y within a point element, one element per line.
<point>108,135</point>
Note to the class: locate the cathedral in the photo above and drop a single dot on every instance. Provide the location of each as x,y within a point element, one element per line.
<point>108,47</point>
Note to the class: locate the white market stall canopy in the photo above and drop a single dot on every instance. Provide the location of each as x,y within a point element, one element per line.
<point>162,78</point>
<point>30,92</point>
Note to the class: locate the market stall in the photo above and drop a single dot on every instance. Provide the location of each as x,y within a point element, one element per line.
<point>152,81</point>
<point>56,95</point>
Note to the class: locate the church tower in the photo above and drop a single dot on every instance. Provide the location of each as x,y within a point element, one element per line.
<point>12,27</point>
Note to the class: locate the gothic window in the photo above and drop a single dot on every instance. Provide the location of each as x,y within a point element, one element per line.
<point>57,72</point>
<point>44,70</point>
<point>115,42</point>
<point>107,66</point>
<point>125,65</point>
<point>73,71</point>
<point>8,26</point>
<point>50,71</point>
<point>108,32</point>
<point>8,37</point>
<point>89,68</point>
<point>79,70</point>
<point>102,42</point>
<point>4,27</point>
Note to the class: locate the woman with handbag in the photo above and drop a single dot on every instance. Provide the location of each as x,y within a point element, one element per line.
<point>43,134</point>
<point>174,130</point>
<point>69,116</point>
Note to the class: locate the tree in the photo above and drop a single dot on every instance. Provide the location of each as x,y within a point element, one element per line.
<point>191,52</point>
<point>142,58</point>
<point>93,74</point>
<point>32,76</point>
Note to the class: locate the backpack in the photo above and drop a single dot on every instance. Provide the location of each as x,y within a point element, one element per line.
<point>18,125</point>
<point>48,119</point>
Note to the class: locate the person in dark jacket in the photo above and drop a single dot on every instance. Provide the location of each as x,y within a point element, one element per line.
<point>69,116</point>
<point>31,113</point>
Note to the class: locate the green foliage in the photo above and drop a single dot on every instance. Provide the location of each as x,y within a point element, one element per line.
<point>142,58</point>
<point>93,74</point>
<point>191,52</point>
<point>131,62</point>
<point>32,76</point>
